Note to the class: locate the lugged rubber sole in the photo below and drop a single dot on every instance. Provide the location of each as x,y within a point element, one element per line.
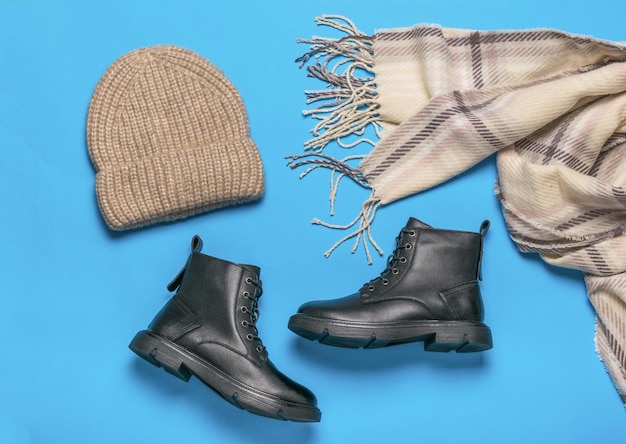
<point>183,364</point>
<point>438,336</point>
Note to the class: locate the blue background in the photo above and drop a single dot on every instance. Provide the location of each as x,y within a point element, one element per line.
<point>74,293</point>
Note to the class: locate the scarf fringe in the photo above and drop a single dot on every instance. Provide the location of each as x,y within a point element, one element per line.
<point>363,233</point>
<point>317,160</point>
<point>340,168</point>
<point>349,107</point>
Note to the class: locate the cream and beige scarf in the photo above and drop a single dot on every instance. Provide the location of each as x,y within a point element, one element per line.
<point>551,104</point>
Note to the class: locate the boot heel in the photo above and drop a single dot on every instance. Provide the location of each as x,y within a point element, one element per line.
<point>159,354</point>
<point>463,338</point>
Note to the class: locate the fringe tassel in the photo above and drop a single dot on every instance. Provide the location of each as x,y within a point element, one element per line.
<point>336,166</point>
<point>347,107</point>
<point>318,160</point>
<point>350,106</point>
<point>340,168</point>
<point>362,233</point>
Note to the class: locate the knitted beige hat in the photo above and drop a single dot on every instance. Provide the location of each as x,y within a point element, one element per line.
<point>168,135</point>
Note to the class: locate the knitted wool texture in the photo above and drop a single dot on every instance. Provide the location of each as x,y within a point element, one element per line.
<point>168,135</point>
<point>551,104</point>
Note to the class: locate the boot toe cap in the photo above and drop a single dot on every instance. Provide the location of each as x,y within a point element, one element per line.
<point>343,308</point>
<point>313,308</point>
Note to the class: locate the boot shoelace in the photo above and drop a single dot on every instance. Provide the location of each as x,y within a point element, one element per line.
<point>253,312</point>
<point>393,259</point>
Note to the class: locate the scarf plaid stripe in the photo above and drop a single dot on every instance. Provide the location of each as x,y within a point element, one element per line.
<point>551,105</point>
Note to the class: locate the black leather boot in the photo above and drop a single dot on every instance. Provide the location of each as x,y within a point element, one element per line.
<point>208,329</point>
<point>428,292</point>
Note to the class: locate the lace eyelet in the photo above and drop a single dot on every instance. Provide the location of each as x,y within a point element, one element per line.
<point>411,233</point>
<point>244,309</point>
<point>395,271</point>
<point>248,280</point>
<point>403,259</point>
<point>245,323</point>
<point>408,246</point>
<point>246,294</point>
<point>385,281</point>
<point>249,337</point>
<point>371,288</point>
<point>259,348</point>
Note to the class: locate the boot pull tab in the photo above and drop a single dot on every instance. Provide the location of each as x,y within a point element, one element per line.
<point>484,227</point>
<point>196,246</point>
<point>196,243</point>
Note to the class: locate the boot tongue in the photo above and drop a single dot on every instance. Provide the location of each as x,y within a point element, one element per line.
<point>415,223</point>
<point>253,268</point>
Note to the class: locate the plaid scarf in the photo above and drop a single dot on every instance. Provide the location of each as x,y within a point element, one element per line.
<point>551,104</point>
